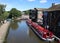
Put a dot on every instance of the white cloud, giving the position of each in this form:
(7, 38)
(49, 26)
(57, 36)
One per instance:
(31, 0)
(43, 1)
(8, 6)
(57, 3)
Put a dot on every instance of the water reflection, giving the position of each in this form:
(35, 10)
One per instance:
(14, 25)
(20, 33)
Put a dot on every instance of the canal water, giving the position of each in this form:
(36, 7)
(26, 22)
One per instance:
(19, 32)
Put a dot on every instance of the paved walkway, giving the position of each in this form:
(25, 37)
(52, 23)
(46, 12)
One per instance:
(3, 31)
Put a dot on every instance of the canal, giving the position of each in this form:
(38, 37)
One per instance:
(19, 32)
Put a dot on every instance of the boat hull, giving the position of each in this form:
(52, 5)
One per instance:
(38, 34)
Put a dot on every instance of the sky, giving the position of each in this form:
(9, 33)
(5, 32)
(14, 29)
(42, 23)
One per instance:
(27, 4)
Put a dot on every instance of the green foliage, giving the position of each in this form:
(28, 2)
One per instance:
(15, 13)
(2, 8)
(26, 12)
(4, 16)
(2, 11)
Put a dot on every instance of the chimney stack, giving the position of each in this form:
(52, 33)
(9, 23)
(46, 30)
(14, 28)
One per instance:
(53, 4)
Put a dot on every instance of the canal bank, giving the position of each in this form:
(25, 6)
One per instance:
(3, 31)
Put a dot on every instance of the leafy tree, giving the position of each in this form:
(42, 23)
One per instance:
(15, 13)
(18, 13)
(4, 15)
(2, 8)
(26, 12)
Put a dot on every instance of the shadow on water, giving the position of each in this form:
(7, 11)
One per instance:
(19, 32)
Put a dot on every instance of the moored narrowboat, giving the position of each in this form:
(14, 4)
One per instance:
(40, 31)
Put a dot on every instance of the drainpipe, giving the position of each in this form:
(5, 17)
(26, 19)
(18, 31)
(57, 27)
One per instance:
(53, 4)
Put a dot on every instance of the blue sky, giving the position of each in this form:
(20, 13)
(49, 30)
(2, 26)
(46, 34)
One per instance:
(28, 4)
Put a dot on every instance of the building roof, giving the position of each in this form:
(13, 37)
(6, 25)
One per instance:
(41, 9)
(54, 7)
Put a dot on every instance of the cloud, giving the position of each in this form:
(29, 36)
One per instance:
(8, 6)
(57, 3)
(31, 0)
(43, 1)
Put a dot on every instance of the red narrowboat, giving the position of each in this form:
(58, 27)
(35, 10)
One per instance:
(40, 31)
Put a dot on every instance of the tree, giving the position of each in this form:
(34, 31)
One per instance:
(2, 8)
(18, 13)
(26, 12)
(4, 15)
(15, 13)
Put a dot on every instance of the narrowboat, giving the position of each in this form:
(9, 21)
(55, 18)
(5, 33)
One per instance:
(40, 31)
